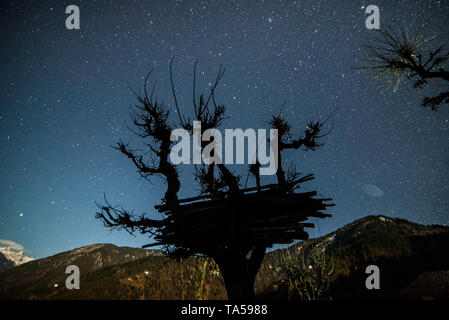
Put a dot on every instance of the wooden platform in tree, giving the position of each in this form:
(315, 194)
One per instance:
(257, 216)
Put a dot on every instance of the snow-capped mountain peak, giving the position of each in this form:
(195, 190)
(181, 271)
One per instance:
(11, 255)
(17, 257)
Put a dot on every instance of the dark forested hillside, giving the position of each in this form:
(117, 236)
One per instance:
(402, 250)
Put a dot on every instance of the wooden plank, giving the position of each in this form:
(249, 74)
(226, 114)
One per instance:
(151, 245)
(269, 186)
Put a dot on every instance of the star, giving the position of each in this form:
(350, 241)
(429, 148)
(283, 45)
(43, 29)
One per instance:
(72, 105)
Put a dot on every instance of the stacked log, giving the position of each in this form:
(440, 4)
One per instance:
(265, 215)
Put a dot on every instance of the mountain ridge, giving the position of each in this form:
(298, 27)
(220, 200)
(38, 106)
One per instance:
(400, 248)
(50, 271)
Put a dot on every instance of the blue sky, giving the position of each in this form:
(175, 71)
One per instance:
(65, 96)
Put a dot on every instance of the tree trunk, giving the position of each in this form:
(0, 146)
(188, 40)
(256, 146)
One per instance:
(239, 273)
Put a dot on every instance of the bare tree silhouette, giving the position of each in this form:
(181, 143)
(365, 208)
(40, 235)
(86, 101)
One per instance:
(397, 55)
(234, 226)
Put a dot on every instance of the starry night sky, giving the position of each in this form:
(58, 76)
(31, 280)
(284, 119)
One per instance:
(64, 99)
